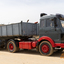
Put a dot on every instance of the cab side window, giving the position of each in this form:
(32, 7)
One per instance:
(42, 23)
(50, 23)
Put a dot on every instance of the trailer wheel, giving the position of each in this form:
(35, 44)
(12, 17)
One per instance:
(45, 48)
(11, 46)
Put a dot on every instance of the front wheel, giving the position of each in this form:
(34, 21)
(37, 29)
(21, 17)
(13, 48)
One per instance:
(11, 46)
(45, 48)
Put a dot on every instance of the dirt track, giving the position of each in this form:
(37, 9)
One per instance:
(29, 57)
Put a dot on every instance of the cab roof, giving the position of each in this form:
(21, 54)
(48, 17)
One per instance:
(52, 16)
(47, 16)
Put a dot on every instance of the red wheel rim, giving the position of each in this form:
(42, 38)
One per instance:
(45, 48)
(11, 46)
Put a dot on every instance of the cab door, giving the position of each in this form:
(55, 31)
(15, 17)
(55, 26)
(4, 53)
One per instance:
(50, 29)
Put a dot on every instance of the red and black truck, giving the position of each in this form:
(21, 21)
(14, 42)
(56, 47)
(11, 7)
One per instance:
(21, 35)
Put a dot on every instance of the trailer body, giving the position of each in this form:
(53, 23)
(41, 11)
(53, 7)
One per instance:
(19, 29)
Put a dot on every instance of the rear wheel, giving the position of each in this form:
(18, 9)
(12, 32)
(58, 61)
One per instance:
(45, 48)
(11, 46)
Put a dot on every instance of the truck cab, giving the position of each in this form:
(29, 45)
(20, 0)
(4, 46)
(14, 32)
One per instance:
(52, 26)
(51, 34)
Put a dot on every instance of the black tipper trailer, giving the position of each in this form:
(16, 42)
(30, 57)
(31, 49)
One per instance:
(19, 29)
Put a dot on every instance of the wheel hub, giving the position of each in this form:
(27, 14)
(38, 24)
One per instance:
(45, 48)
(11, 46)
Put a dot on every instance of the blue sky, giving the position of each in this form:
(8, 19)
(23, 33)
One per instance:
(13, 11)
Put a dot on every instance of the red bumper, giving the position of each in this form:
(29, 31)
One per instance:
(59, 44)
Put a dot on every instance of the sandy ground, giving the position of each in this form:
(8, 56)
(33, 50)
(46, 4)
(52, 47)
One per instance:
(29, 57)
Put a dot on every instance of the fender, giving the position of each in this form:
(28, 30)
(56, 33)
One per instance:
(46, 38)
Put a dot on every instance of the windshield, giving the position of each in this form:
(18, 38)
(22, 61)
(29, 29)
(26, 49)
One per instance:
(62, 22)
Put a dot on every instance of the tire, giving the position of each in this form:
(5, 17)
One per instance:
(11, 46)
(45, 48)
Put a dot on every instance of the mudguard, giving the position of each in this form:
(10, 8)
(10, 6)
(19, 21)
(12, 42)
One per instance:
(46, 38)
